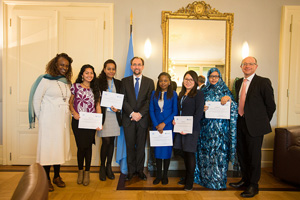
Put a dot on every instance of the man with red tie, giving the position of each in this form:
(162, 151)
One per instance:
(256, 108)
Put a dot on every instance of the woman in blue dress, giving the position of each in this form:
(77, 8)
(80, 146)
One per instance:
(217, 141)
(163, 108)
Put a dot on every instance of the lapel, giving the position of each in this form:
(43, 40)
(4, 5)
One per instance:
(131, 86)
(251, 87)
(238, 87)
(116, 85)
(142, 87)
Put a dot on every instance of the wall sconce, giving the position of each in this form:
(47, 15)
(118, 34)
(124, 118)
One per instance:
(148, 48)
(245, 50)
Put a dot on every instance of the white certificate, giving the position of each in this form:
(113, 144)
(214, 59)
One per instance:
(183, 124)
(217, 111)
(164, 139)
(90, 120)
(110, 99)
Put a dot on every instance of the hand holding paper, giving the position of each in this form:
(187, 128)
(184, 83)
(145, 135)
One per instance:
(157, 139)
(112, 99)
(217, 111)
(183, 124)
(90, 120)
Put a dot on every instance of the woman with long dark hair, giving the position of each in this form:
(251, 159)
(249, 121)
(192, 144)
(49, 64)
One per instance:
(85, 98)
(163, 108)
(48, 101)
(111, 119)
(190, 103)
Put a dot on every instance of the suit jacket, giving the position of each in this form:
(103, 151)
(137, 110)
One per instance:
(118, 86)
(202, 86)
(170, 110)
(259, 105)
(141, 104)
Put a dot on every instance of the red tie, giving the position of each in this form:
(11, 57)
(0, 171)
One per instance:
(242, 98)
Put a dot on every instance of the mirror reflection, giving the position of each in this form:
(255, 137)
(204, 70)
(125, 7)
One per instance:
(197, 38)
(196, 45)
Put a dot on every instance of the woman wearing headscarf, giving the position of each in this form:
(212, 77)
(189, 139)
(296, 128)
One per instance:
(217, 141)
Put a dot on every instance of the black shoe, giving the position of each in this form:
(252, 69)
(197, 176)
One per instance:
(102, 173)
(181, 182)
(129, 177)
(109, 172)
(157, 180)
(165, 180)
(142, 176)
(239, 184)
(188, 187)
(251, 191)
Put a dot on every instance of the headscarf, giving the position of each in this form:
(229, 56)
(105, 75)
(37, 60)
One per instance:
(215, 93)
(31, 113)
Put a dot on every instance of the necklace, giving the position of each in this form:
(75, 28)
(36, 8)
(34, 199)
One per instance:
(64, 97)
(85, 85)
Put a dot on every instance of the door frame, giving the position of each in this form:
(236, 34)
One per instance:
(7, 138)
(284, 64)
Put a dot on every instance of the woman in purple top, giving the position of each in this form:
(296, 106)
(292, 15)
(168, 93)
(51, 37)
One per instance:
(85, 97)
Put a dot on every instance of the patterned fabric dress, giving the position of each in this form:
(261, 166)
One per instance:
(83, 102)
(84, 99)
(217, 141)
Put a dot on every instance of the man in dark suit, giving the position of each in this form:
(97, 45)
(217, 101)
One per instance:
(256, 107)
(201, 82)
(137, 93)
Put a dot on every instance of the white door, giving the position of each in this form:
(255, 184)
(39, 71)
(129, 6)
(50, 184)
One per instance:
(35, 34)
(294, 80)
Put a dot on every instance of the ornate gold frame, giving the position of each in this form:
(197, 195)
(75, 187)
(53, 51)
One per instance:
(201, 11)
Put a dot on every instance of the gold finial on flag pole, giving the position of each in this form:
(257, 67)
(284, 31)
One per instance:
(131, 16)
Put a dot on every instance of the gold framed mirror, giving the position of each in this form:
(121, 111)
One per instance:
(197, 38)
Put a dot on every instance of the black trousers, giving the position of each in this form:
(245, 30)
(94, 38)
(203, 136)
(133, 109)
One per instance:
(135, 137)
(249, 153)
(84, 138)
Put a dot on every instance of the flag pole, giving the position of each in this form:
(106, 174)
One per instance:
(131, 16)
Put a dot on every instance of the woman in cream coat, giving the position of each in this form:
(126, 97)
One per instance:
(50, 98)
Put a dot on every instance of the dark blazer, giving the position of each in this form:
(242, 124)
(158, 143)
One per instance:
(191, 106)
(140, 105)
(259, 105)
(202, 86)
(118, 86)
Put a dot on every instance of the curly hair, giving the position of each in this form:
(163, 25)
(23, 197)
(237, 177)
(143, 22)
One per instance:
(158, 88)
(102, 79)
(93, 84)
(52, 69)
(193, 91)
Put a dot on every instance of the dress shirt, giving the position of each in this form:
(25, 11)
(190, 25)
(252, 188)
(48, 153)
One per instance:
(249, 79)
(134, 80)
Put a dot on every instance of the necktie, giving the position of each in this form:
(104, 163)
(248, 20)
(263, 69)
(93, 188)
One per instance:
(242, 98)
(136, 87)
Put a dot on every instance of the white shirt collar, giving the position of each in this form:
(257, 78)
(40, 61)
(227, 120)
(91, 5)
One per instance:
(250, 77)
(134, 76)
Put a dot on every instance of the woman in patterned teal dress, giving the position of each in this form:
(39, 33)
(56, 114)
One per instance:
(217, 141)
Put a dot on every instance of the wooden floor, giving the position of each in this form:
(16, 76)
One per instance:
(108, 189)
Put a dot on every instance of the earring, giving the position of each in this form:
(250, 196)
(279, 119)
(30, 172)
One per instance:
(82, 78)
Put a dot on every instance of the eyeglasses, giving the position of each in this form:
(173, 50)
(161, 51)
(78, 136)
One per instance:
(189, 80)
(214, 76)
(245, 64)
(139, 65)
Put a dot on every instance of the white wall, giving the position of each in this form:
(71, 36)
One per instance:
(255, 21)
